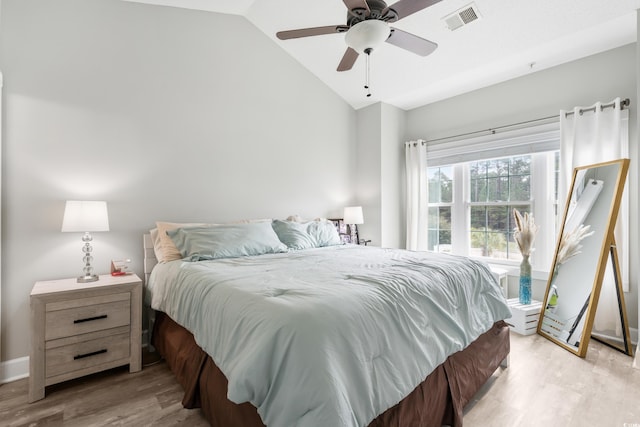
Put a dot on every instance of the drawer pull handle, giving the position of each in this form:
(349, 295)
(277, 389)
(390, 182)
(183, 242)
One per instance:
(89, 319)
(93, 353)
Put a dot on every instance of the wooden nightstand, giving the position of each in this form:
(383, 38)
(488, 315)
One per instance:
(82, 328)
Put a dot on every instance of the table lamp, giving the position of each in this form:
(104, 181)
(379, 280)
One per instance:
(86, 217)
(352, 216)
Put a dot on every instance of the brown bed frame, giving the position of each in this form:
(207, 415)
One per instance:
(439, 400)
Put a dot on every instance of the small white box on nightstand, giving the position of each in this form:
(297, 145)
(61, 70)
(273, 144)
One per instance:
(524, 317)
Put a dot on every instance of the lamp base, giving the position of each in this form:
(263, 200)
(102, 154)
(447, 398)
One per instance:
(88, 279)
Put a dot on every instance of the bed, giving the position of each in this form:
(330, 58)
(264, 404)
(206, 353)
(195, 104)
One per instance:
(339, 335)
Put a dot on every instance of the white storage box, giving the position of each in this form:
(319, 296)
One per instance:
(524, 318)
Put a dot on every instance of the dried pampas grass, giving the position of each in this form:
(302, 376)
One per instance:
(524, 232)
(570, 243)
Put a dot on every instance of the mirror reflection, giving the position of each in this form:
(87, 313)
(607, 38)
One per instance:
(581, 254)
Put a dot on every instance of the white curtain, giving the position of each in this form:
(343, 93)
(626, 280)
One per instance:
(417, 194)
(594, 137)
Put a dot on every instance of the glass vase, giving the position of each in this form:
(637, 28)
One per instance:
(525, 280)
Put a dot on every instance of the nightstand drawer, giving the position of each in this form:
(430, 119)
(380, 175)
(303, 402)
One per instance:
(81, 355)
(81, 316)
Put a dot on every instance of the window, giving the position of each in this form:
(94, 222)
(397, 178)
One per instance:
(440, 202)
(471, 205)
(497, 187)
(476, 181)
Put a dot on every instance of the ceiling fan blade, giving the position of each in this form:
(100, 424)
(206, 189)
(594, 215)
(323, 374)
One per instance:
(356, 4)
(314, 31)
(348, 60)
(411, 42)
(404, 8)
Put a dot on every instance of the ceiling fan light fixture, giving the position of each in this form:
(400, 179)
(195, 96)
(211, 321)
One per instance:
(367, 35)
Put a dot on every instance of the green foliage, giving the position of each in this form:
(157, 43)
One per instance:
(488, 240)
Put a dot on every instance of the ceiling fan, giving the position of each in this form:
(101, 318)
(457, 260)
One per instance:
(368, 26)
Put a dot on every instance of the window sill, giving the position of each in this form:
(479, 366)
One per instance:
(513, 269)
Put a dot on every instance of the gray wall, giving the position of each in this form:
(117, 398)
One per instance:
(601, 77)
(167, 114)
(380, 174)
(368, 172)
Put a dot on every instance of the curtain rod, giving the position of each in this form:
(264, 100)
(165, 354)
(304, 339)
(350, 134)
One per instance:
(624, 103)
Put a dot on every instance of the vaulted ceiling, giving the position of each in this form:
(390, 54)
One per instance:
(511, 38)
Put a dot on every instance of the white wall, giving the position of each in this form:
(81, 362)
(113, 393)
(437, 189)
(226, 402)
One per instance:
(167, 114)
(393, 177)
(368, 179)
(380, 173)
(600, 77)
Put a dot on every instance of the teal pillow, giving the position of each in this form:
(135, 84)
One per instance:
(324, 233)
(226, 241)
(305, 235)
(293, 234)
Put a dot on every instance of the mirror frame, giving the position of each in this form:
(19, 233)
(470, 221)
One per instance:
(606, 249)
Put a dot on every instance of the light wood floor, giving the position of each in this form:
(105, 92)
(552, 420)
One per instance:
(544, 386)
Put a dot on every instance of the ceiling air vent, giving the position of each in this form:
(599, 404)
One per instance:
(462, 17)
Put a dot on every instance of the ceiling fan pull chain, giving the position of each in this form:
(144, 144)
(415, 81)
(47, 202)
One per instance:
(368, 72)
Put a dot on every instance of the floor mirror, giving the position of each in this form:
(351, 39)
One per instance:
(585, 245)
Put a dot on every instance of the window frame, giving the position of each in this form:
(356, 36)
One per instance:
(542, 202)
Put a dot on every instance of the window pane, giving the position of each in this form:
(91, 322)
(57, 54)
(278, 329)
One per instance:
(520, 165)
(433, 217)
(478, 247)
(498, 218)
(440, 184)
(478, 190)
(492, 168)
(444, 241)
(446, 184)
(498, 189)
(497, 244)
(520, 188)
(502, 167)
(439, 232)
(445, 218)
(432, 239)
(478, 217)
(434, 184)
(474, 170)
(513, 249)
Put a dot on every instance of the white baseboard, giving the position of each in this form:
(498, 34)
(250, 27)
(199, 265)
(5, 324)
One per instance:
(14, 369)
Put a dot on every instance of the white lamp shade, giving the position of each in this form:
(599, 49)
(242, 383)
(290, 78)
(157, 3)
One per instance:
(83, 216)
(368, 34)
(353, 215)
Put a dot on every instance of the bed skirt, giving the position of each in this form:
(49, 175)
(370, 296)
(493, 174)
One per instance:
(438, 400)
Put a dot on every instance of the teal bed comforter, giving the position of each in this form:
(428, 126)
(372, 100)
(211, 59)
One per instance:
(330, 336)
